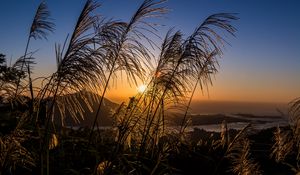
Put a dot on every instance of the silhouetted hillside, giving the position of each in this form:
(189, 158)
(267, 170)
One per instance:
(207, 119)
(104, 118)
(202, 119)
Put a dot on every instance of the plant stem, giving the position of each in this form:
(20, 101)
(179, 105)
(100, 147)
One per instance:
(183, 126)
(101, 100)
(203, 69)
(161, 98)
(19, 78)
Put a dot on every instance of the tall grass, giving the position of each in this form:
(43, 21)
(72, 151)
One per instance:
(123, 45)
(89, 60)
(40, 26)
(286, 149)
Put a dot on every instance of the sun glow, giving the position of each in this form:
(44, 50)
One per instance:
(141, 88)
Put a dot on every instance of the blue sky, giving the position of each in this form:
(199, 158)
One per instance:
(262, 63)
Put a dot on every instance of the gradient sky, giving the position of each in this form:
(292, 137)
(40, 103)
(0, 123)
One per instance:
(262, 63)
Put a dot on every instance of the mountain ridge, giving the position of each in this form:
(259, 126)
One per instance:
(88, 116)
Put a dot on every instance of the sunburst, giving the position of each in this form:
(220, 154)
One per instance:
(141, 88)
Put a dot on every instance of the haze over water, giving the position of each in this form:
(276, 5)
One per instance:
(231, 107)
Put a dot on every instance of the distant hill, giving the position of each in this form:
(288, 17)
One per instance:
(207, 119)
(230, 107)
(200, 119)
(104, 116)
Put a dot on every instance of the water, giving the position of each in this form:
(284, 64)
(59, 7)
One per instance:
(257, 123)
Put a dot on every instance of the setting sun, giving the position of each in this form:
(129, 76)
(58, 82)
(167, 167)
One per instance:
(141, 88)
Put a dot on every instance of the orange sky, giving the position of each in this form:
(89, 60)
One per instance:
(227, 88)
(262, 64)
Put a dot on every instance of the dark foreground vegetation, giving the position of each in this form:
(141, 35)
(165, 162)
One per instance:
(199, 151)
(34, 112)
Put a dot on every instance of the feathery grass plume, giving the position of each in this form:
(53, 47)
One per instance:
(13, 154)
(101, 168)
(80, 63)
(124, 47)
(204, 46)
(224, 134)
(53, 142)
(287, 141)
(39, 29)
(238, 151)
(175, 87)
(283, 144)
(205, 37)
(206, 67)
(240, 135)
(187, 58)
(127, 125)
(295, 110)
(229, 147)
(242, 163)
(41, 23)
(176, 82)
(79, 68)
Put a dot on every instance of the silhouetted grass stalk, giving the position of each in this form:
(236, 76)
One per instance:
(146, 10)
(38, 30)
(203, 71)
(101, 100)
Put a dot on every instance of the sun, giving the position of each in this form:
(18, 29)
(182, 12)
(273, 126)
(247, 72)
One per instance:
(141, 88)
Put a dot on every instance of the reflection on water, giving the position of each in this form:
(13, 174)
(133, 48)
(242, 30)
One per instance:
(257, 123)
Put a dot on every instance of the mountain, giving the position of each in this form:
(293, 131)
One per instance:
(209, 119)
(230, 107)
(104, 116)
(173, 119)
